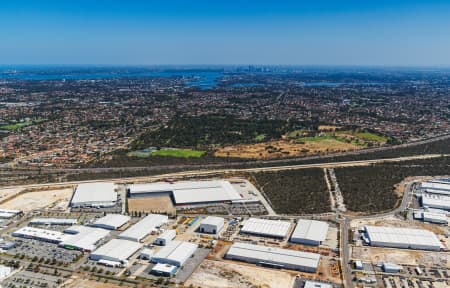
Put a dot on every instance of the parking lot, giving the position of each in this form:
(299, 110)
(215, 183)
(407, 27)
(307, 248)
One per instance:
(44, 251)
(29, 279)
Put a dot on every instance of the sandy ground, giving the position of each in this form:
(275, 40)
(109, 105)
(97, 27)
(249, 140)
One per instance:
(392, 221)
(86, 283)
(399, 256)
(38, 200)
(151, 204)
(6, 193)
(214, 274)
(284, 148)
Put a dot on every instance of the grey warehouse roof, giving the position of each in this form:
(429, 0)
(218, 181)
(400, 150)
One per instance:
(95, 192)
(310, 230)
(112, 220)
(213, 220)
(144, 227)
(392, 236)
(274, 228)
(118, 249)
(86, 238)
(275, 255)
(190, 191)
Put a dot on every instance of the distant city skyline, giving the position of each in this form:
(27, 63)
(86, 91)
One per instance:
(363, 33)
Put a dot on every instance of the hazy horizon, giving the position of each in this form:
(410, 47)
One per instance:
(296, 33)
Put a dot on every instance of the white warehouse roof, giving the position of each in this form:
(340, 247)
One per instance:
(445, 187)
(402, 238)
(53, 221)
(145, 226)
(94, 194)
(314, 284)
(86, 238)
(310, 231)
(436, 201)
(168, 235)
(40, 234)
(111, 221)
(213, 220)
(175, 253)
(274, 256)
(118, 250)
(186, 192)
(272, 228)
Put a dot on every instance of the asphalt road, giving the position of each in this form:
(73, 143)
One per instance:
(221, 171)
(221, 165)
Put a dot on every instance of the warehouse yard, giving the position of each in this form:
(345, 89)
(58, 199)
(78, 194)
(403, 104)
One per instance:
(214, 274)
(158, 204)
(38, 200)
(403, 257)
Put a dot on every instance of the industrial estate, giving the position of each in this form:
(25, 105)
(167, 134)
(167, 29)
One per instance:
(160, 232)
(224, 176)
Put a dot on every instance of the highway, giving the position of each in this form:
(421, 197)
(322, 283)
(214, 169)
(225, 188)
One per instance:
(205, 172)
(267, 163)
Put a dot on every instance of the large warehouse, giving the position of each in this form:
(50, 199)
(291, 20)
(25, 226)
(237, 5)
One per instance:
(101, 194)
(310, 232)
(188, 192)
(402, 238)
(274, 257)
(53, 221)
(175, 253)
(144, 227)
(263, 227)
(435, 201)
(439, 187)
(40, 234)
(117, 250)
(212, 225)
(83, 238)
(111, 221)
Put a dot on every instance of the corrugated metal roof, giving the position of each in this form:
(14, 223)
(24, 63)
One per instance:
(144, 227)
(113, 220)
(213, 220)
(32, 232)
(310, 230)
(408, 236)
(53, 221)
(435, 185)
(95, 192)
(86, 238)
(119, 249)
(168, 235)
(433, 200)
(191, 191)
(274, 228)
(274, 254)
(176, 251)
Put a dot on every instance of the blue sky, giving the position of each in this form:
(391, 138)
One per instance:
(363, 32)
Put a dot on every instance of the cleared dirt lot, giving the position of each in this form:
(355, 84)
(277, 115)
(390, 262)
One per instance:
(86, 283)
(398, 256)
(284, 148)
(214, 274)
(151, 204)
(39, 199)
(392, 221)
